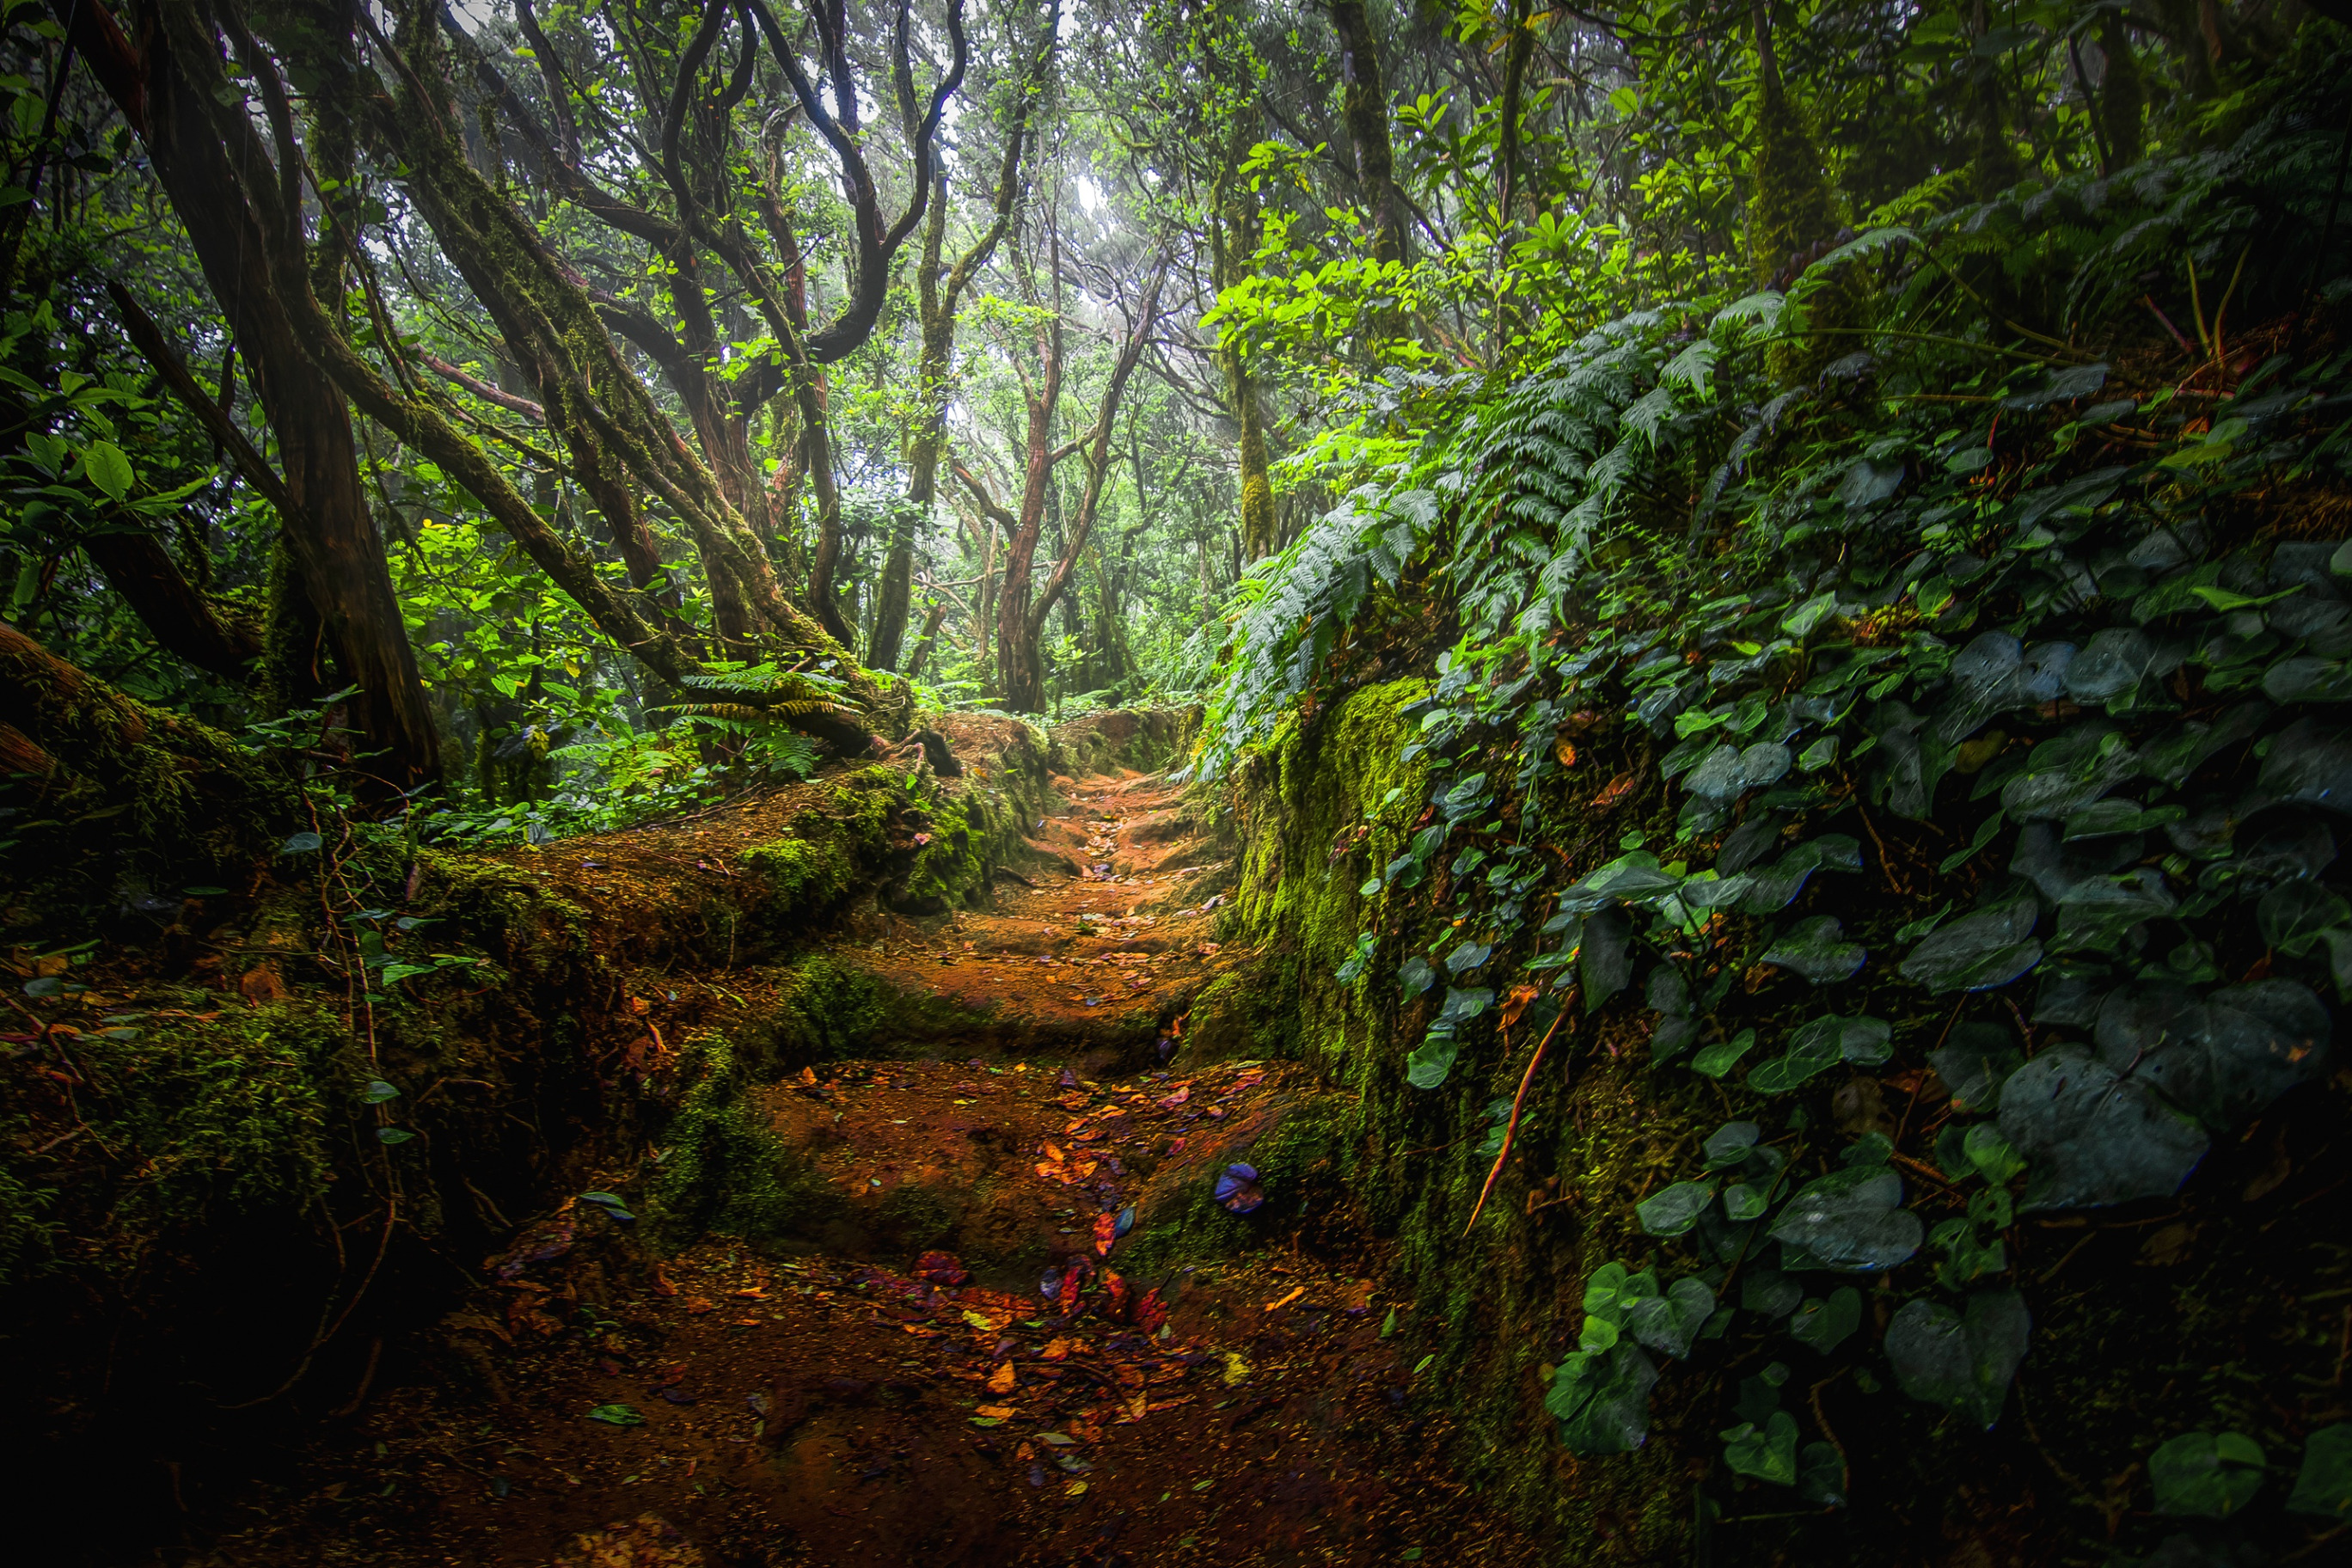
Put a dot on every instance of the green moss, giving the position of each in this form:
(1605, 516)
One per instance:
(1301, 1157)
(721, 1166)
(952, 868)
(1492, 1306)
(829, 849)
(198, 1124)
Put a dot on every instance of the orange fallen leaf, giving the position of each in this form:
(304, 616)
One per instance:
(999, 1411)
(1053, 1153)
(1056, 1350)
(1297, 1291)
(1000, 1380)
(698, 1305)
(1619, 788)
(1105, 1232)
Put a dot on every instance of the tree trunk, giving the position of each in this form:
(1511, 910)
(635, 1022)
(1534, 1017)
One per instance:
(1364, 98)
(2123, 94)
(1232, 241)
(193, 796)
(333, 536)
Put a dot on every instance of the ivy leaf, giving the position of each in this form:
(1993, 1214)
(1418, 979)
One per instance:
(1820, 1474)
(1723, 1056)
(1851, 1220)
(1821, 1044)
(2068, 771)
(1993, 1156)
(1670, 1324)
(1964, 1364)
(1729, 1144)
(1769, 1454)
(2293, 916)
(377, 1092)
(2091, 1136)
(1416, 975)
(1770, 891)
(1816, 950)
(1605, 965)
(1975, 1062)
(1978, 952)
(1674, 1210)
(2311, 762)
(393, 1135)
(2205, 1475)
(2223, 1058)
(2111, 663)
(300, 844)
(1601, 1400)
(1868, 483)
(1726, 773)
(1428, 1064)
(2324, 1485)
(1824, 1324)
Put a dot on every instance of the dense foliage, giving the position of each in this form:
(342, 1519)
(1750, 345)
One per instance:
(1869, 488)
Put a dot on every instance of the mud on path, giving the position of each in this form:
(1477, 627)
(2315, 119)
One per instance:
(1036, 1312)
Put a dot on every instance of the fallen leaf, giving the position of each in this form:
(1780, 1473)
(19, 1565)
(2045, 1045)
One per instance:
(1295, 1292)
(698, 1305)
(1105, 1232)
(1236, 1369)
(1000, 1380)
(1055, 1350)
(1002, 1412)
(616, 1416)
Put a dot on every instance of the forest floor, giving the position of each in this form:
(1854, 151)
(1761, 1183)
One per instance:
(862, 1400)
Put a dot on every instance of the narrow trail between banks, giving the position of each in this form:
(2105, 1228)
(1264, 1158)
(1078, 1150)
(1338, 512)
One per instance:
(904, 1382)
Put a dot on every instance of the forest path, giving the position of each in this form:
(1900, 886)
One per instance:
(869, 1397)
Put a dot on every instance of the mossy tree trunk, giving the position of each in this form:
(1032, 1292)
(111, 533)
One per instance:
(939, 296)
(235, 217)
(1234, 229)
(191, 794)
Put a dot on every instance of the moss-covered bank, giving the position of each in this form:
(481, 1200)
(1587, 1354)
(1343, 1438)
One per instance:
(1321, 809)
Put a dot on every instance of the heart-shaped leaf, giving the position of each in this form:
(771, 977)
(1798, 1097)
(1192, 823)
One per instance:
(1823, 1324)
(1975, 1062)
(1817, 949)
(2092, 1136)
(1669, 1323)
(2324, 1485)
(1978, 952)
(2205, 1475)
(2293, 916)
(2221, 1060)
(1601, 1399)
(1851, 1220)
(1962, 1362)
(1768, 1453)
(1674, 1210)
(2310, 762)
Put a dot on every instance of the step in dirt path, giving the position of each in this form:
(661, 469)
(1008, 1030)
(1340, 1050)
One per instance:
(1024, 1309)
(1098, 939)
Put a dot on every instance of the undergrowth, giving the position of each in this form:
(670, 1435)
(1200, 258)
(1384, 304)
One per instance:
(2004, 673)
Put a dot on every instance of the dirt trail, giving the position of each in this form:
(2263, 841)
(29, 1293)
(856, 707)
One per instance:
(987, 1347)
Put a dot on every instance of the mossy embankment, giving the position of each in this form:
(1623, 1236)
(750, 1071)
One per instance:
(251, 1137)
(1325, 806)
